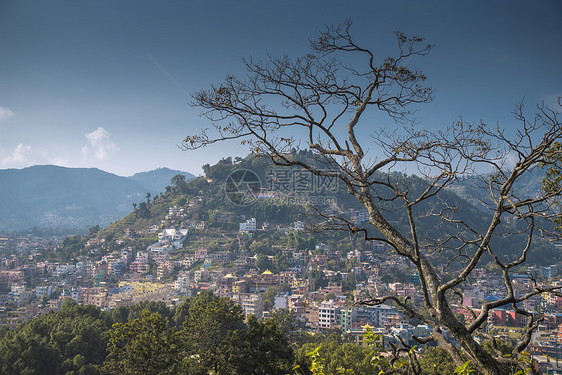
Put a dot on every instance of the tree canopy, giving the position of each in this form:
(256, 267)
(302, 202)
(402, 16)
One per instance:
(202, 335)
(330, 100)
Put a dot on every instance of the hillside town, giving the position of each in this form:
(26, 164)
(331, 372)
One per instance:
(308, 283)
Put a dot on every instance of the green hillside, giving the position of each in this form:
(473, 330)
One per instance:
(206, 201)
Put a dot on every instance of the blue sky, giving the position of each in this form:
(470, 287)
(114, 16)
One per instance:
(106, 83)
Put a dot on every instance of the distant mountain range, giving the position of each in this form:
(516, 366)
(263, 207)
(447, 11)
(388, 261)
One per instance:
(48, 196)
(475, 189)
(155, 181)
(58, 197)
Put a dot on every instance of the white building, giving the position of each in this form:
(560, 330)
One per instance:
(252, 303)
(249, 225)
(173, 237)
(64, 269)
(327, 314)
(298, 225)
(72, 293)
(142, 256)
(159, 248)
(281, 301)
(186, 262)
(182, 283)
(44, 289)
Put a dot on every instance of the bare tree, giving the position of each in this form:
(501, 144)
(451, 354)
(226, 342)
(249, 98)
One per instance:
(326, 104)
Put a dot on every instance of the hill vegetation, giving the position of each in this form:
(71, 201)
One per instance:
(205, 202)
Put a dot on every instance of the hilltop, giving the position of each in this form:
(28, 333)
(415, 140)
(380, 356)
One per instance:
(205, 203)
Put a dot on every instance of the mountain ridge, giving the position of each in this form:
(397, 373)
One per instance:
(56, 197)
(157, 179)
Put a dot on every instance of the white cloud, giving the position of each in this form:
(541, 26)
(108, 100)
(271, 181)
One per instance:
(510, 159)
(19, 157)
(100, 144)
(5, 114)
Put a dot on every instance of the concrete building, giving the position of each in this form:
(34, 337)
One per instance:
(327, 312)
(248, 226)
(252, 303)
(173, 237)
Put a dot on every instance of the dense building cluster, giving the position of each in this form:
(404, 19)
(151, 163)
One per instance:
(321, 296)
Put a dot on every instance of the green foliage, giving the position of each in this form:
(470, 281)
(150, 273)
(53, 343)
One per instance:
(210, 319)
(287, 322)
(436, 361)
(181, 313)
(179, 182)
(320, 280)
(203, 335)
(207, 202)
(301, 240)
(144, 212)
(333, 358)
(71, 247)
(317, 362)
(93, 230)
(143, 346)
(261, 247)
(263, 263)
(464, 369)
(123, 314)
(72, 339)
(260, 349)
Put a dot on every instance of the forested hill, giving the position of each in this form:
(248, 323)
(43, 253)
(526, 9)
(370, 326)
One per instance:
(206, 199)
(475, 188)
(49, 196)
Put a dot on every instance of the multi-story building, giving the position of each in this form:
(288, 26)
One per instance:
(375, 316)
(119, 267)
(139, 266)
(182, 283)
(200, 254)
(95, 296)
(20, 294)
(248, 226)
(240, 286)
(327, 312)
(345, 319)
(41, 290)
(173, 237)
(287, 278)
(252, 303)
(164, 269)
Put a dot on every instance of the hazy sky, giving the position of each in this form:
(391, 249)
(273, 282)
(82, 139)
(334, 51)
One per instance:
(106, 83)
